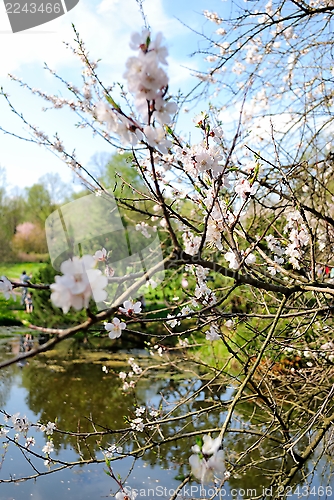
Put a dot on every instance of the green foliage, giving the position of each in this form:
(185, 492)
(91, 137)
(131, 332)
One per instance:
(39, 205)
(120, 176)
(7, 314)
(11, 214)
(6, 252)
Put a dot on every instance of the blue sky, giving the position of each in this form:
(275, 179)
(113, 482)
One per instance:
(106, 26)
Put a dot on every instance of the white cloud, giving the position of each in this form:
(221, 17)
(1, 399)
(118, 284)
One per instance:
(105, 26)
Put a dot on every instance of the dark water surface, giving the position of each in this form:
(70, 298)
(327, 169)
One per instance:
(70, 385)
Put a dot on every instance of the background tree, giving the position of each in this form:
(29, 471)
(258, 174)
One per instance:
(29, 238)
(38, 203)
(58, 191)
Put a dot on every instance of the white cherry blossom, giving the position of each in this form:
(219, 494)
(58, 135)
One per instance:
(278, 261)
(101, 255)
(105, 114)
(229, 323)
(160, 51)
(126, 494)
(3, 431)
(48, 448)
(20, 424)
(6, 288)
(143, 228)
(148, 81)
(48, 428)
(191, 242)
(115, 328)
(210, 445)
(204, 467)
(164, 110)
(139, 40)
(137, 424)
(244, 189)
(136, 368)
(172, 322)
(130, 307)
(232, 258)
(139, 411)
(212, 334)
(156, 138)
(30, 441)
(250, 259)
(78, 284)
(274, 245)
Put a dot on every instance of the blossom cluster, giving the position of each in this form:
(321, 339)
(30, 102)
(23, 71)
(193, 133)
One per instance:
(207, 462)
(313, 356)
(200, 158)
(174, 321)
(126, 494)
(298, 239)
(80, 282)
(130, 307)
(212, 334)
(235, 259)
(21, 425)
(111, 450)
(203, 294)
(220, 217)
(138, 423)
(148, 82)
(298, 236)
(135, 370)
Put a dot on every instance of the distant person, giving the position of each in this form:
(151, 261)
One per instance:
(332, 273)
(28, 303)
(24, 278)
(319, 271)
(28, 342)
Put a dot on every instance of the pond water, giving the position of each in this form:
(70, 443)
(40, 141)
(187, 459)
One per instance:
(69, 384)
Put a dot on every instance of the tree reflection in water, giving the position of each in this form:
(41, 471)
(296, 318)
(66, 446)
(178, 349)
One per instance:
(93, 413)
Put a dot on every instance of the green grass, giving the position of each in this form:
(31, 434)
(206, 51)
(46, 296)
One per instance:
(12, 313)
(9, 313)
(14, 271)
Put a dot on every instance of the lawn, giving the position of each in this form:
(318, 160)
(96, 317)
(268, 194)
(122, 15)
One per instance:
(14, 271)
(11, 311)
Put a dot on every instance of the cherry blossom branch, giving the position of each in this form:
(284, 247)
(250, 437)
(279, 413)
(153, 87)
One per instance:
(62, 334)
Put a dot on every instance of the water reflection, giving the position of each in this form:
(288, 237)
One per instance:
(69, 384)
